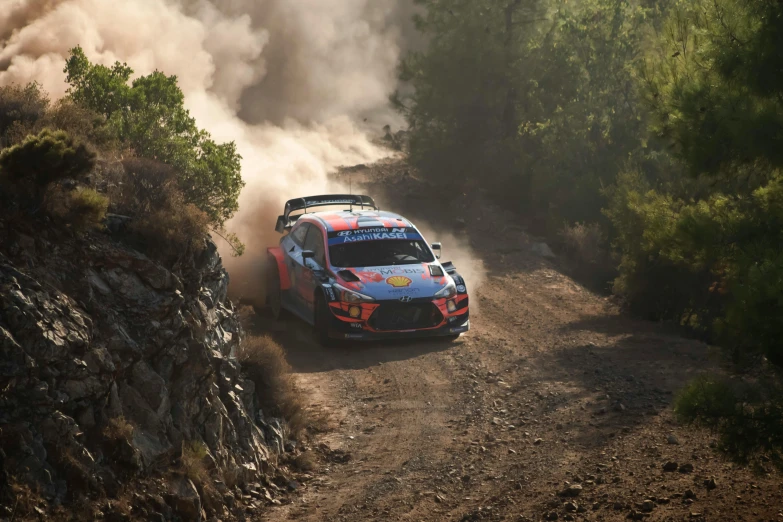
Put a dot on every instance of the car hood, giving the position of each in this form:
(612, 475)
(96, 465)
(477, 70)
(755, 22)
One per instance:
(392, 282)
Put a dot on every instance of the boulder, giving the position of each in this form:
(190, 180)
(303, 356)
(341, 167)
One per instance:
(542, 249)
(185, 499)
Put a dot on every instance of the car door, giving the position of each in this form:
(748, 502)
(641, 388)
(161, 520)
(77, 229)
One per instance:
(314, 241)
(296, 271)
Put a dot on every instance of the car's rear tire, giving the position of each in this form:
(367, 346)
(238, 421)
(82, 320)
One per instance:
(322, 321)
(274, 298)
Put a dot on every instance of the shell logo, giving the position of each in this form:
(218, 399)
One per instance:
(399, 281)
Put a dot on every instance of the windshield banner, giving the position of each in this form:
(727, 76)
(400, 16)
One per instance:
(373, 234)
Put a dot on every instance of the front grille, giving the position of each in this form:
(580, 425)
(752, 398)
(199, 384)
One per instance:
(405, 316)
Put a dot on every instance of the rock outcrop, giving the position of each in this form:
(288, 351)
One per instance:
(109, 362)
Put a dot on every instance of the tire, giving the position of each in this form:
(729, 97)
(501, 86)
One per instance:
(274, 302)
(322, 321)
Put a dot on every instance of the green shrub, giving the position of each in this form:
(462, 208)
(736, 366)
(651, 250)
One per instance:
(170, 232)
(82, 123)
(146, 184)
(164, 225)
(748, 416)
(150, 190)
(714, 265)
(84, 208)
(148, 115)
(41, 160)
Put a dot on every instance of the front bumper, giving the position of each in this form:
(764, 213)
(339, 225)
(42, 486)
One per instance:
(364, 335)
(363, 322)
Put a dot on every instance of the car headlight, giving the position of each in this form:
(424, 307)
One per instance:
(349, 296)
(450, 290)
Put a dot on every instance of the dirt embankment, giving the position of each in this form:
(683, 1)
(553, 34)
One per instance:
(554, 407)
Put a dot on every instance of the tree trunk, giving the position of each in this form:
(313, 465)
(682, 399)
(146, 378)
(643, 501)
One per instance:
(509, 122)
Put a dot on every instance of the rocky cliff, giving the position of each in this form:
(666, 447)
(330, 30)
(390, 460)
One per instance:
(114, 368)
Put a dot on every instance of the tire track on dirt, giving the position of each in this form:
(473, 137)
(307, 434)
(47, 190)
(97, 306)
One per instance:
(388, 402)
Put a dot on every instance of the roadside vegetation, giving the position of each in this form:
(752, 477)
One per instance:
(648, 130)
(125, 159)
(120, 147)
(264, 362)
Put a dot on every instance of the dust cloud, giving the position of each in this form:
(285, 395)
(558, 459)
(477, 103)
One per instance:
(300, 86)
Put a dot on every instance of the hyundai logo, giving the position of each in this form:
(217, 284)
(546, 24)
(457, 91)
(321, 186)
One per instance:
(406, 299)
(344, 233)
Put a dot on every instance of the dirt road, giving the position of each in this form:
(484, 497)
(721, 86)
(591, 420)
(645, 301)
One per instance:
(553, 407)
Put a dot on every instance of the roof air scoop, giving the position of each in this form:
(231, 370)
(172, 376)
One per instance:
(348, 276)
(449, 267)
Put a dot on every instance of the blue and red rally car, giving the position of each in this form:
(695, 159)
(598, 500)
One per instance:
(362, 273)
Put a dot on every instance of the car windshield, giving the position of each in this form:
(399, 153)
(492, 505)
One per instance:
(380, 253)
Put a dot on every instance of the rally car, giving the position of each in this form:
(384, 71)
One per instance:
(362, 273)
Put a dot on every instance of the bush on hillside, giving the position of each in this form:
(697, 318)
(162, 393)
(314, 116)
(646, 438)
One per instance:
(51, 156)
(164, 225)
(167, 234)
(748, 416)
(82, 208)
(20, 109)
(584, 242)
(586, 255)
(146, 184)
(82, 123)
(148, 116)
(714, 265)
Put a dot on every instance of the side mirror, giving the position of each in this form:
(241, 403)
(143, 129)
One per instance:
(437, 248)
(307, 254)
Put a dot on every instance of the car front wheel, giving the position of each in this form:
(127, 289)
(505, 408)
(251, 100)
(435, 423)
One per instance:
(323, 318)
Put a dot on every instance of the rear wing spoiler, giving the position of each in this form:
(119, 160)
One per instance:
(293, 205)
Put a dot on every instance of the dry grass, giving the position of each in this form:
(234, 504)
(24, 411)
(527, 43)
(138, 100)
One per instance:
(193, 453)
(118, 429)
(193, 465)
(26, 504)
(23, 500)
(584, 243)
(264, 363)
(305, 462)
(75, 472)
